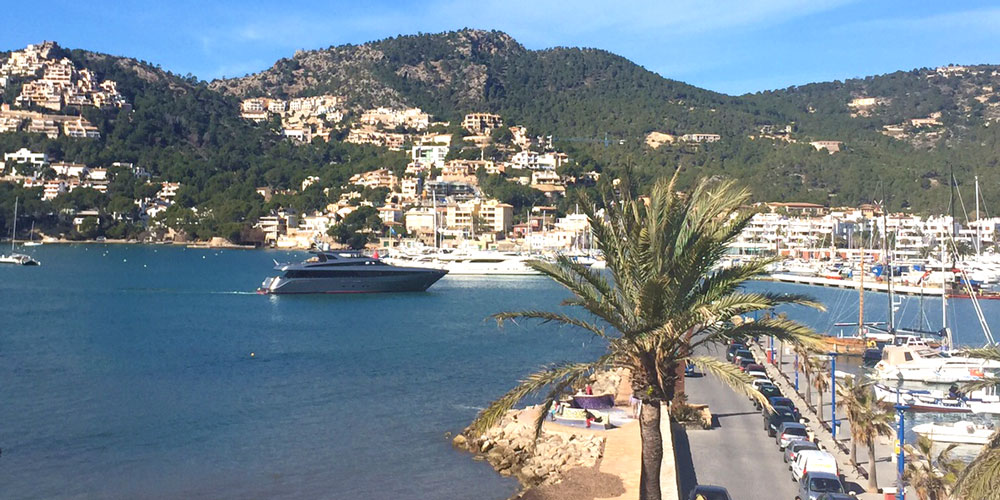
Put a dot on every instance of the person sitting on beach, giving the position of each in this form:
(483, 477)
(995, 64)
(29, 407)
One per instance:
(589, 390)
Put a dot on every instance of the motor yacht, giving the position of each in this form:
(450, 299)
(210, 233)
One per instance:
(923, 364)
(961, 432)
(468, 262)
(347, 272)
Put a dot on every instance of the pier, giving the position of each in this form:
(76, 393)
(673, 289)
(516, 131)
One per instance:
(853, 285)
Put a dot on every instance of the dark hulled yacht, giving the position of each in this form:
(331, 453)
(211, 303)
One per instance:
(347, 272)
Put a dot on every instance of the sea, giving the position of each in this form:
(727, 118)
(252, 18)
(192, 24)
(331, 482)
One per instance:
(152, 371)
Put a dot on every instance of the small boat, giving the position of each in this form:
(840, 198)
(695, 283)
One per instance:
(31, 238)
(961, 432)
(920, 400)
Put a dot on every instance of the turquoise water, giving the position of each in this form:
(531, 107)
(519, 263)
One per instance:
(126, 372)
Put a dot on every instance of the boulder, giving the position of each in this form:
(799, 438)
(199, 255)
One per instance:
(460, 442)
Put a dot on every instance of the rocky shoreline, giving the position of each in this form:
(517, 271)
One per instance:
(512, 449)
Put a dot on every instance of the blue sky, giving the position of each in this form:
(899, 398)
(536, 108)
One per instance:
(729, 46)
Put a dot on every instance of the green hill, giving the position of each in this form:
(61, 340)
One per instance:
(598, 106)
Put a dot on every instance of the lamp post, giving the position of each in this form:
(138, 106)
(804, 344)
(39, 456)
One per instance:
(900, 433)
(833, 394)
(796, 372)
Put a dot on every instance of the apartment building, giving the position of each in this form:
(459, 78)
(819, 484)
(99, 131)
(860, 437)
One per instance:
(481, 123)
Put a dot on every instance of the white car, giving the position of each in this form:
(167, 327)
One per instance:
(758, 374)
(760, 381)
(813, 461)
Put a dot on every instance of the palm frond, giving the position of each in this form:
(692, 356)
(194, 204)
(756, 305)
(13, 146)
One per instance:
(730, 375)
(530, 385)
(550, 317)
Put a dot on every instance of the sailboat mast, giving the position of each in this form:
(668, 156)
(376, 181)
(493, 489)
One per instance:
(888, 261)
(861, 294)
(13, 233)
(978, 237)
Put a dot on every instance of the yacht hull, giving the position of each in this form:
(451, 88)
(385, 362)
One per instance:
(412, 281)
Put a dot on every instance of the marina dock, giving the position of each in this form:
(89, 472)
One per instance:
(873, 286)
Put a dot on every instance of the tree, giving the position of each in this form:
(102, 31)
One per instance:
(852, 399)
(931, 477)
(981, 478)
(871, 421)
(358, 228)
(820, 381)
(665, 299)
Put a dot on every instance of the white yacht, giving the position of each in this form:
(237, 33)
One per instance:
(19, 259)
(961, 432)
(923, 364)
(468, 262)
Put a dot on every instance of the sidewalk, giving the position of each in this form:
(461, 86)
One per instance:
(782, 372)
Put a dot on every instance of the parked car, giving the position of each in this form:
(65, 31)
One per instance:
(788, 432)
(731, 351)
(768, 391)
(814, 484)
(813, 461)
(707, 492)
(755, 367)
(774, 420)
(795, 447)
(837, 496)
(741, 355)
(757, 383)
(744, 363)
(758, 375)
(783, 401)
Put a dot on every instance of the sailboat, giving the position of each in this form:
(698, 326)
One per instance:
(17, 258)
(31, 238)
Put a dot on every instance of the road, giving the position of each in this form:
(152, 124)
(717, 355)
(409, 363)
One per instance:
(737, 453)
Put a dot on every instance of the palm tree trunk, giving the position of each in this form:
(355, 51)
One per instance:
(809, 391)
(872, 473)
(819, 408)
(854, 450)
(652, 451)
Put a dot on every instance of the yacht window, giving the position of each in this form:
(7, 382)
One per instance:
(907, 356)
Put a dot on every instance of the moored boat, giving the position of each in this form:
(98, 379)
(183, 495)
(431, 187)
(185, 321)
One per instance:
(961, 432)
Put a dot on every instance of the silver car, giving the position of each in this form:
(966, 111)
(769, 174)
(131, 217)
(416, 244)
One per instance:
(788, 432)
(814, 485)
(795, 447)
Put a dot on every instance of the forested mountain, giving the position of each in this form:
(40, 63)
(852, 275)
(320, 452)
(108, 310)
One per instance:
(598, 106)
(585, 95)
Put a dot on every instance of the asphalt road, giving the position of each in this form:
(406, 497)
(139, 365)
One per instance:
(737, 453)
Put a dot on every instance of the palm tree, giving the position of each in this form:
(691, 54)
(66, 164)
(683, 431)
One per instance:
(804, 366)
(852, 397)
(666, 298)
(981, 478)
(871, 421)
(931, 477)
(820, 382)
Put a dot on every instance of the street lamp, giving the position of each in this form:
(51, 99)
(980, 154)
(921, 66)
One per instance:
(900, 433)
(796, 372)
(833, 394)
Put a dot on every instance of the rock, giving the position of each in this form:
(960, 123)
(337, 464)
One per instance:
(486, 446)
(460, 442)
